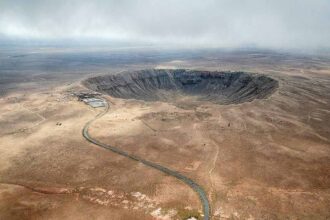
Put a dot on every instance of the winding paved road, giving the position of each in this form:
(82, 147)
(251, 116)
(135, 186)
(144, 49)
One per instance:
(197, 188)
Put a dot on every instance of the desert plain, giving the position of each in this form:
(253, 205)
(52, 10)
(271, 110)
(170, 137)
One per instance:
(266, 158)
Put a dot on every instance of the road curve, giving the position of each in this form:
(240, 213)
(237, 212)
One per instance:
(197, 188)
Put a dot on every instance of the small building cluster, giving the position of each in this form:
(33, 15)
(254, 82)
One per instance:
(95, 102)
(91, 98)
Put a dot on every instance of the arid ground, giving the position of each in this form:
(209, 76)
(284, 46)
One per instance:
(263, 159)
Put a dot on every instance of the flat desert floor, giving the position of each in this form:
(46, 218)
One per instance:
(265, 159)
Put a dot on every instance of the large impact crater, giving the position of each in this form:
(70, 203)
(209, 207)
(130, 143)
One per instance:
(168, 85)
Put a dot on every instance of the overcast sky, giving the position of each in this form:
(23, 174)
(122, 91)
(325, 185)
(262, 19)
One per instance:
(224, 23)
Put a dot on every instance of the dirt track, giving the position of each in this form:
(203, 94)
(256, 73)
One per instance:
(197, 188)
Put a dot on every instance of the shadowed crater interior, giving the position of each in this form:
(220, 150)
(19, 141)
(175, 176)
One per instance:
(168, 85)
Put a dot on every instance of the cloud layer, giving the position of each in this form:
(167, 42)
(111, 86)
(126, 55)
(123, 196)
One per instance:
(226, 23)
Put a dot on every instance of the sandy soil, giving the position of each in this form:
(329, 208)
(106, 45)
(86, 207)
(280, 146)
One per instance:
(266, 159)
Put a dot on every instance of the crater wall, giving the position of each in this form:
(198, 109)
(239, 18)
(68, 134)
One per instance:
(161, 84)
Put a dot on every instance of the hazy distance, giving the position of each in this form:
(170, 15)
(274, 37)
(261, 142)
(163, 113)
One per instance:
(276, 24)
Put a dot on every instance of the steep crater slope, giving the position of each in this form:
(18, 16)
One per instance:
(165, 85)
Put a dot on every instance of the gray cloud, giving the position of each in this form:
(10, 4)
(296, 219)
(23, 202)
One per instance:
(230, 23)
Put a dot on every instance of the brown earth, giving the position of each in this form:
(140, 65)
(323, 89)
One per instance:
(265, 159)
